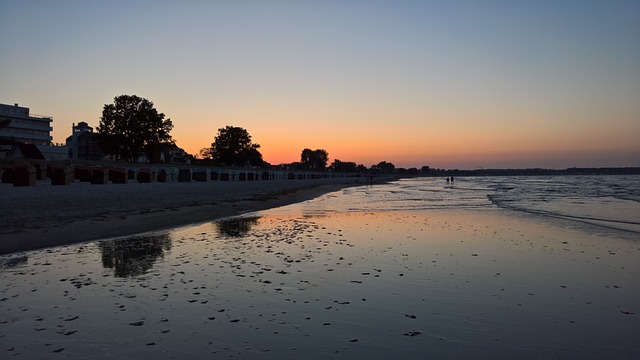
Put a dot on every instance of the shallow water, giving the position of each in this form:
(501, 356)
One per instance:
(333, 278)
(609, 205)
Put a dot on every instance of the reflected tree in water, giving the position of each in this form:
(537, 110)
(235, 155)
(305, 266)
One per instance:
(133, 257)
(13, 262)
(236, 227)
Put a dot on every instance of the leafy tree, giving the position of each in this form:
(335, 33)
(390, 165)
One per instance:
(383, 167)
(205, 153)
(314, 159)
(131, 127)
(343, 166)
(232, 146)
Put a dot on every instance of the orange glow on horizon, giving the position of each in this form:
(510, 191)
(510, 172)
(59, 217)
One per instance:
(441, 144)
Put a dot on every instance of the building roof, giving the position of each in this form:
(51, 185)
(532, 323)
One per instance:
(25, 151)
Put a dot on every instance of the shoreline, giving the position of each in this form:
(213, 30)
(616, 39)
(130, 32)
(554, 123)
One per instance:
(46, 216)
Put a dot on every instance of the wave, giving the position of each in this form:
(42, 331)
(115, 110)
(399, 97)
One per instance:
(594, 221)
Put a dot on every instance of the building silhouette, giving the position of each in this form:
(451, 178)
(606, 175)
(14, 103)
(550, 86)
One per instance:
(18, 126)
(82, 143)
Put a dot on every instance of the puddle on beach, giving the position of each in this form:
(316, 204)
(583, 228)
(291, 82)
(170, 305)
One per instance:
(288, 284)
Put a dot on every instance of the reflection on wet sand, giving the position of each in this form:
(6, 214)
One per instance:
(133, 257)
(236, 227)
(13, 261)
(415, 285)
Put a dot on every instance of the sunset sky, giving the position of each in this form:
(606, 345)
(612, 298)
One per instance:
(448, 84)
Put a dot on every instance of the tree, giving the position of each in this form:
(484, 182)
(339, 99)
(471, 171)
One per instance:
(131, 127)
(343, 166)
(314, 159)
(362, 169)
(232, 146)
(383, 167)
(205, 153)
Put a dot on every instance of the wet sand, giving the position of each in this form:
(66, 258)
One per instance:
(45, 215)
(306, 281)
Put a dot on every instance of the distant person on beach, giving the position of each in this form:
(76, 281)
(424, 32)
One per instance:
(452, 179)
(447, 179)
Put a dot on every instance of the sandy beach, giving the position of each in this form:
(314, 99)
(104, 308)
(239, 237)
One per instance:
(44, 215)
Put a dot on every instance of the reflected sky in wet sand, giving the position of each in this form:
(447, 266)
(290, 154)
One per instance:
(289, 283)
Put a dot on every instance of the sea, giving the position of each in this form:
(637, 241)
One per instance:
(605, 205)
(609, 205)
(478, 268)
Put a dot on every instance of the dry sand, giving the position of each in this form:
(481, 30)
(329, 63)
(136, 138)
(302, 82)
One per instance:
(45, 215)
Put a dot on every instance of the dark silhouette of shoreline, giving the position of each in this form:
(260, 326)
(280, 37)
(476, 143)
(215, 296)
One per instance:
(532, 172)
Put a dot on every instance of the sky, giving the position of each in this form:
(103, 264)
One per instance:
(446, 84)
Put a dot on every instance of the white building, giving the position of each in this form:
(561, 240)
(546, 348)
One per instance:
(17, 125)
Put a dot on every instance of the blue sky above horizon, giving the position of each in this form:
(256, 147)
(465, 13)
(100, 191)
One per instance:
(450, 84)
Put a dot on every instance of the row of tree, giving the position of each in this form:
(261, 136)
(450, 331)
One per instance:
(132, 128)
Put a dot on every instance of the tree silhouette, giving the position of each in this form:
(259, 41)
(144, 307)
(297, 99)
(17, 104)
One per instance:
(131, 127)
(362, 169)
(205, 153)
(383, 167)
(232, 146)
(343, 166)
(314, 159)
